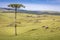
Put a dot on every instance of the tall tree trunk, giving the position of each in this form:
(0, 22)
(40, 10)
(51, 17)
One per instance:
(15, 22)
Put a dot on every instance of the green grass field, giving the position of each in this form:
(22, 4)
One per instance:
(30, 27)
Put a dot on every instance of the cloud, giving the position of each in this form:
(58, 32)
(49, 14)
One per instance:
(38, 7)
(42, 7)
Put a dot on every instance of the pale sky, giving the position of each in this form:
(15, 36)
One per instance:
(38, 5)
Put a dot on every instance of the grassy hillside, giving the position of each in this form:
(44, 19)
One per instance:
(30, 27)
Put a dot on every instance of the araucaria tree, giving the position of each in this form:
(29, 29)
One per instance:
(16, 6)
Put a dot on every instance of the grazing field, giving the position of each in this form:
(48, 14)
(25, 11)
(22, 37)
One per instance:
(30, 27)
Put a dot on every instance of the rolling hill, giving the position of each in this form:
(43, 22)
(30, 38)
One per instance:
(29, 26)
(11, 10)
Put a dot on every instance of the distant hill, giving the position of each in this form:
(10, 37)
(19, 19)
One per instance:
(11, 10)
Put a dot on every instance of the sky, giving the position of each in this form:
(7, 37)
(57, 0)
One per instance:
(37, 5)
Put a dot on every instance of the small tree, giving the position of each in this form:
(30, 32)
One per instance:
(16, 6)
